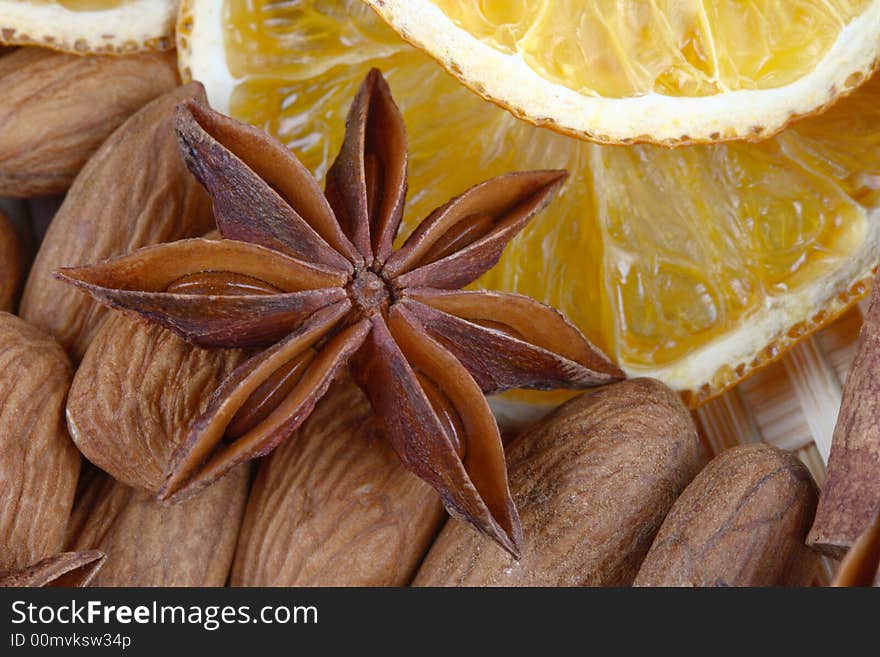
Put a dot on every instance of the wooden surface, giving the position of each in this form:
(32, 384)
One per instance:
(792, 403)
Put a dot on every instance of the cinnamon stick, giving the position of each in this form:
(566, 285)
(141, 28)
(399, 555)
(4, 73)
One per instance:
(851, 494)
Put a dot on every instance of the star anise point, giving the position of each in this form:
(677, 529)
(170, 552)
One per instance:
(314, 281)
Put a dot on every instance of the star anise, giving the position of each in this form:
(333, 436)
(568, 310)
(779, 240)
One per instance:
(62, 569)
(316, 277)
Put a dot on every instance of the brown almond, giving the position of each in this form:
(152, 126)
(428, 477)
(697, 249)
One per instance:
(57, 109)
(150, 544)
(592, 483)
(12, 264)
(334, 506)
(135, 395)
(742, 522)
(39, 464)
(135, 191)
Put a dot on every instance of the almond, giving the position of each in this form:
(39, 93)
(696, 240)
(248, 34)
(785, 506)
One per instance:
(334, 506)
(12, 264)
(134, 191)
(57, 109)
(39, 464)
(592, 483)
(135, 395)
(149, 544)
(742, 522)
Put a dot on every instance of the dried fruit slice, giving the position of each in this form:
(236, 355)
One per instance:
(694, 265)
(89, 26)
(661, 72)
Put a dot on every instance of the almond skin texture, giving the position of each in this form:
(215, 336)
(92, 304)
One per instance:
(150, 544)
(135, 191)
(592, 483)
(39, 464)
(12, 265)
(135, 395)
(742, 522)
(57, 109)
(851, 494)
(334, 506)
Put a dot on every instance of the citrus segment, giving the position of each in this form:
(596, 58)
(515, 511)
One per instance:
(694, 265)
(692, 48)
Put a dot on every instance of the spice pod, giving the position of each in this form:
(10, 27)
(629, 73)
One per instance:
(313, 283)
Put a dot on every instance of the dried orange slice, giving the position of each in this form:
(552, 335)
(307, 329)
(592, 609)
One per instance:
(89, 26)
(662, 72)
(694, 265)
